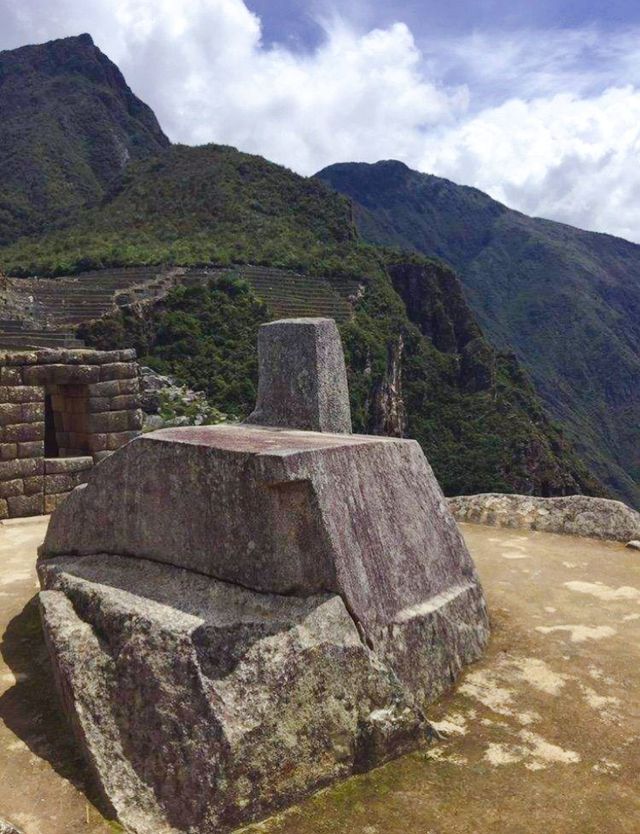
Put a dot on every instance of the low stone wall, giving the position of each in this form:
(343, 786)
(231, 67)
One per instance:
(60, 412)
(576, 515)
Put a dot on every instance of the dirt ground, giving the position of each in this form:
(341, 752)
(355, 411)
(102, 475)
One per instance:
(541, 737)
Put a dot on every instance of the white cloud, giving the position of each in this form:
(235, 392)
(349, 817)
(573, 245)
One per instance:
(568, 158)
(550, 125)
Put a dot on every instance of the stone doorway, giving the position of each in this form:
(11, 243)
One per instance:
(66, 421)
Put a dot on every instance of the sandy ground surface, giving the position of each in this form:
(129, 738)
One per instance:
(543, 735)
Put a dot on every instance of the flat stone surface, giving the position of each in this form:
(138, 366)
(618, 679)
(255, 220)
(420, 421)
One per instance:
(303, 378)
(541, 735)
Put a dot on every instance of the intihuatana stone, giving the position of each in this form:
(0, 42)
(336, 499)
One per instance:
(303, 378)
(238, 615)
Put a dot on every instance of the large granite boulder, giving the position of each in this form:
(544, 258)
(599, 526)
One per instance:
(238, 615)
(201, 704)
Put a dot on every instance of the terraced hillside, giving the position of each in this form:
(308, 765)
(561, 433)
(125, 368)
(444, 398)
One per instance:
(291, 294)
(40, 312)
(46, 312)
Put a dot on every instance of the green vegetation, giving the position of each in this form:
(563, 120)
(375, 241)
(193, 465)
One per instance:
(69, 124)
(487, 435)
(206, 205)
(417, 360)
(205, 336)
(566, 302)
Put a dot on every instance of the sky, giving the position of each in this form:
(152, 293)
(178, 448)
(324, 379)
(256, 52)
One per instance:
(535, 102)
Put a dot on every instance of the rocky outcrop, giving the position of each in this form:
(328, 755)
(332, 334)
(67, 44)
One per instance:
(389, 413)
(201, 704)
(435, 303)
(575, 515)
(166, 403)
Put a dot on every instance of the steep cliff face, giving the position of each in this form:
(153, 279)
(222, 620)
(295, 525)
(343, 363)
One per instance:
(472, 407)
(69, 127)
(385, 404)
(435, 303)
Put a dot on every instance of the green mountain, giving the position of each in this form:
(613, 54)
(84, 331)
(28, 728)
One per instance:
(418, 362)
(567, 302)
(69, 126)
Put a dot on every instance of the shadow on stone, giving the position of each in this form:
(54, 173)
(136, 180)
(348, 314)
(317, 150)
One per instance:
(31, 708)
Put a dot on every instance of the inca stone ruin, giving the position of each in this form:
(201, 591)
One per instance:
(238, 615)
(61, 411)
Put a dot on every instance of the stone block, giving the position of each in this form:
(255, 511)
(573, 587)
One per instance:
(24, 468)
(23, 432)
(33, 485)
(20, 358)
(55, 466)
(10, 376)
(63, 482)
(96, 405)
(9, 488)
(114, 388)
(25, 505)
(284, 512)
(303, 378)
(22, 394)
(4, 509)
(8, 451)
(10, 413)
(118, 370)
(61, 374)
(53, 501)
(31, 412)
(116, 440)
(125, 402)
(97, 443)
(114, 421)
(31, 449)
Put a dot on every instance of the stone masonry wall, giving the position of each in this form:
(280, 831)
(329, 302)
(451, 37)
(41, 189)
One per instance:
(575, 515)
(94, 401)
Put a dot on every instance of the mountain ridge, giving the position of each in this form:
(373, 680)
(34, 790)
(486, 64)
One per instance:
(565, 300)
(429, 373)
